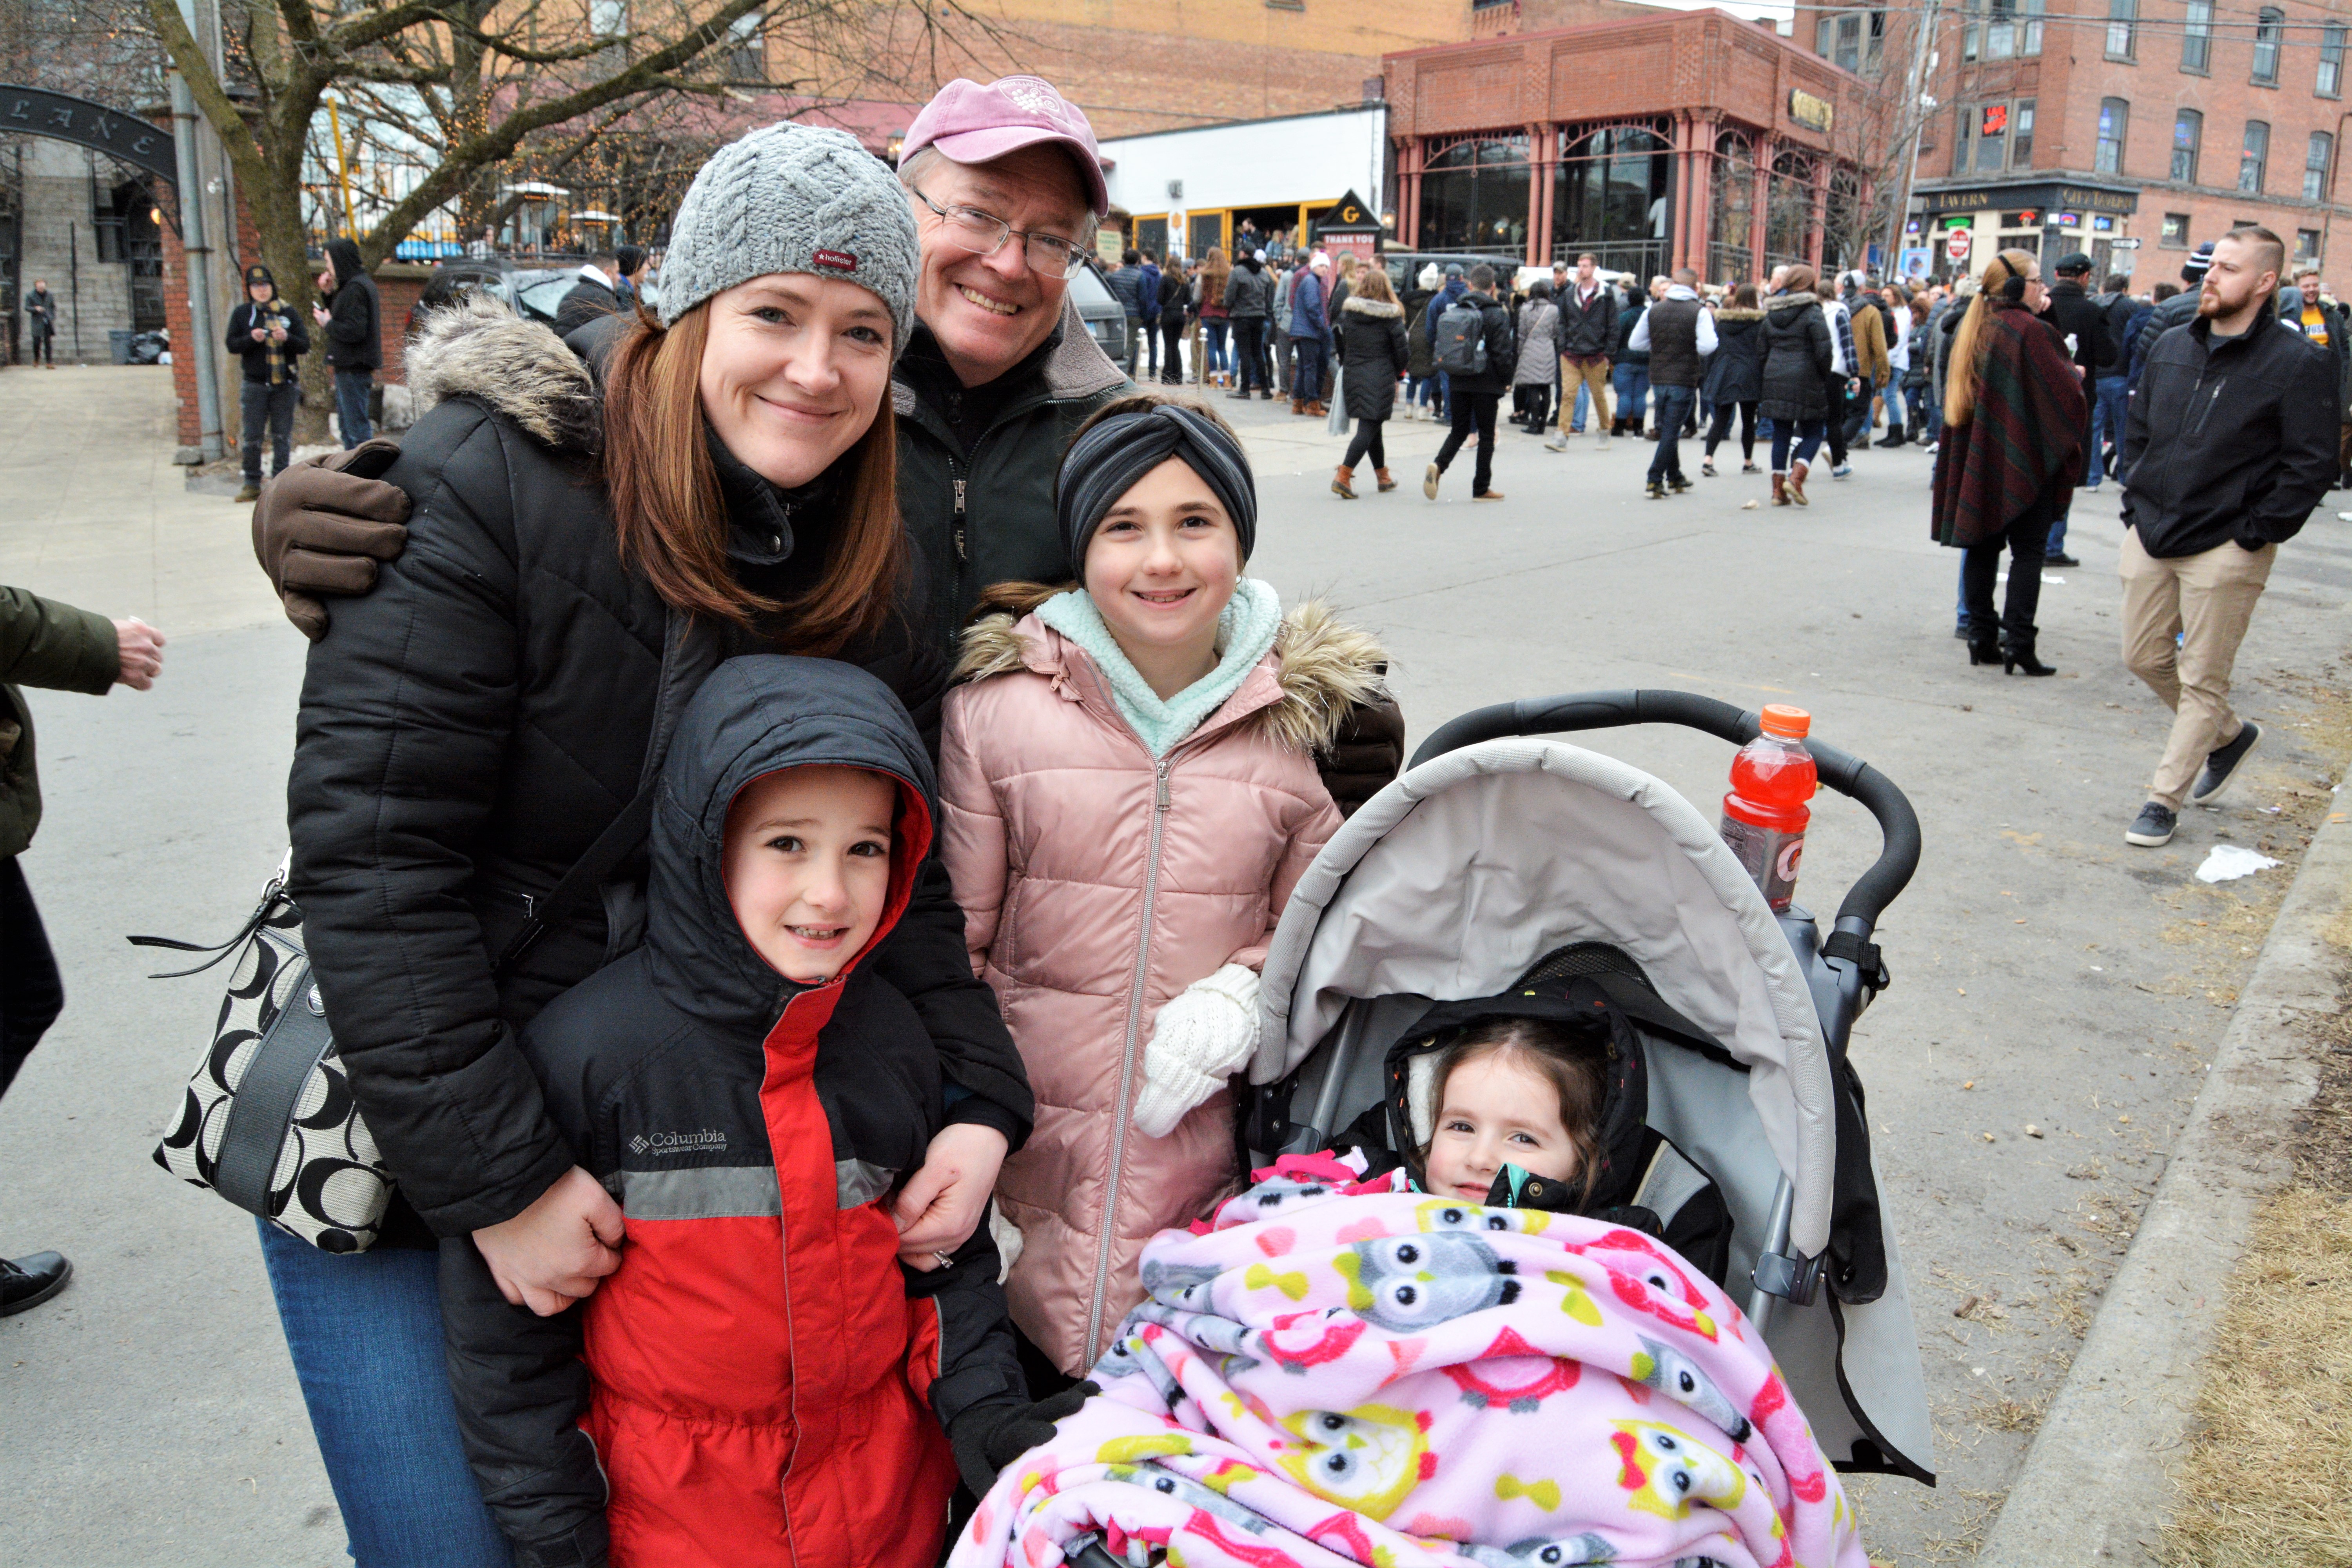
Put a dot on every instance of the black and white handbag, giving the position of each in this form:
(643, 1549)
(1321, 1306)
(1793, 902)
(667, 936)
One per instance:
(268, 1120)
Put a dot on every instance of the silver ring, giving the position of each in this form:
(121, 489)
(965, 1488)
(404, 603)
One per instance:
(945, 1261)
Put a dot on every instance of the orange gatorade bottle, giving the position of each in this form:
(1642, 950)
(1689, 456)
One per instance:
(1764, 816)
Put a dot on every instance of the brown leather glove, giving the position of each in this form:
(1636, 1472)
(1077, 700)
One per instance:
(1366, 753)
(322, 526)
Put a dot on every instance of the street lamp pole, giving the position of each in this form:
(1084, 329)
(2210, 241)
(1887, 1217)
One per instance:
(194, 245)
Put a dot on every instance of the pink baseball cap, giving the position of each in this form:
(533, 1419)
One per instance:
(972, 124)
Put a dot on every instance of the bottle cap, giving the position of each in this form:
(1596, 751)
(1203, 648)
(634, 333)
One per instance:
(1784, 723)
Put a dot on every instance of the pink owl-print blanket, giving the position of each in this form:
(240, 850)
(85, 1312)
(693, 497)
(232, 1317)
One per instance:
(1335, 1372)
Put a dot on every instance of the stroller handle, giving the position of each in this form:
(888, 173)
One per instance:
(1898, 825)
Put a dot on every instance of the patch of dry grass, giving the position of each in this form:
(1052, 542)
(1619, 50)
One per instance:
(2268, 1476)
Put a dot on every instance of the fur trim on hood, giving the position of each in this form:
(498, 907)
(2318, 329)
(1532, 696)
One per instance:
(1790, 302)
(1358, 305)
(1325, 669)
(478, 347)
(1734, 314)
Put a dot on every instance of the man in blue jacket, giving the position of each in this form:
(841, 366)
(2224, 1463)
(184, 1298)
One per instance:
(1310, 335)
(1126, 286)
(1455, 287)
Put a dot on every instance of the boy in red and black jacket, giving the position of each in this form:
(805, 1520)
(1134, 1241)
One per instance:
(750, 1387)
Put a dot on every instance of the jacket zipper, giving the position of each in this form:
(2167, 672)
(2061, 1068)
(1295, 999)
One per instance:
(1126, 1056)
(956, 538)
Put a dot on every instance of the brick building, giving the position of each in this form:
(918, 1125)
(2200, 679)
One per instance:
(2066, 125)
(1653, 138)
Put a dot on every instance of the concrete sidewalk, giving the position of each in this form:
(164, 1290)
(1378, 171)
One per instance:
(96, 512)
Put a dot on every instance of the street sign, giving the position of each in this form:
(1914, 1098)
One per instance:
(2127, 245)
(1956, 244)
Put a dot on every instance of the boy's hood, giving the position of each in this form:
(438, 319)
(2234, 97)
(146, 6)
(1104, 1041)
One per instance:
(755, 716)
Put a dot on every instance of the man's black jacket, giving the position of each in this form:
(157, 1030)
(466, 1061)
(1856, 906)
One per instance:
(2072, 310)
(2228, 440)
(355, 314)
(1588, 328)
(2176, 312)
(255, 356)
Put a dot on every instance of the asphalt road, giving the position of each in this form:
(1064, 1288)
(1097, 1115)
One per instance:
(2044, 972)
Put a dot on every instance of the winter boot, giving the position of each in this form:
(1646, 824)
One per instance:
(1780, 489)
(1382, 475)
(1797, 482)
(1343, 483)
(2017, 656)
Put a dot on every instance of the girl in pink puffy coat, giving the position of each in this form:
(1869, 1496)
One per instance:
(1130, 793)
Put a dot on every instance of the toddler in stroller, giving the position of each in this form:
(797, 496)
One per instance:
(1366, 1358)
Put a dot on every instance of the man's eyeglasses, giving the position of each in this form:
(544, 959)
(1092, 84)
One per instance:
(983, 234)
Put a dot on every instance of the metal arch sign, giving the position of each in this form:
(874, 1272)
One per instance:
(30, 112)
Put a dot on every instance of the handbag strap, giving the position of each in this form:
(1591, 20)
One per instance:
(252, 1142)
(612, 846)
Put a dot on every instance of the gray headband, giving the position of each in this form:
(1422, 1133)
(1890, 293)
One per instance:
(1105, 463)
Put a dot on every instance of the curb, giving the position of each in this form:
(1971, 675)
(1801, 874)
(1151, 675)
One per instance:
(2096, 1486)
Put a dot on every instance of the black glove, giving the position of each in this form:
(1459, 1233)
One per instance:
(324, 523)
(1365, 754)
(987, 1437)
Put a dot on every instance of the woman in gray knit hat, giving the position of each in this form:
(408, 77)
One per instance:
(597, 522)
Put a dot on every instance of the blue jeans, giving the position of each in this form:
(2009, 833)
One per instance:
(1583, 405)
(364, 1331)
(1213, 337)
(351, 389)
(2106, 424)
(1633, 385)
(1808, 433)
(1674, 407)
(1308, 360)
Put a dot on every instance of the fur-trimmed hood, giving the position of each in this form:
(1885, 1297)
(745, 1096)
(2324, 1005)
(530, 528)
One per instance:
(1790, 301)
(1356, 304)
(1734, 314)
(478, 347)
(1323, 667)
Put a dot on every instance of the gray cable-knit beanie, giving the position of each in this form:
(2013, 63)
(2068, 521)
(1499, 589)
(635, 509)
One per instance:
(793, 198)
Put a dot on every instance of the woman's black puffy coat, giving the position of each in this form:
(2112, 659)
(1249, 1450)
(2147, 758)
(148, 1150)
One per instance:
(1797, 359)
(1373, 352)
(471, 726)
(1734, 372)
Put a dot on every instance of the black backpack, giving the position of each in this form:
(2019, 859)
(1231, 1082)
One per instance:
(1461, 337)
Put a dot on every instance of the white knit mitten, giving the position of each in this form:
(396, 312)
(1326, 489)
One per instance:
(1201, 1035)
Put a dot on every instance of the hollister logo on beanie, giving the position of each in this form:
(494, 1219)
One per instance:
(836, 260)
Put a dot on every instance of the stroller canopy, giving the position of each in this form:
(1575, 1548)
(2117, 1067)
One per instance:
(1474, 864)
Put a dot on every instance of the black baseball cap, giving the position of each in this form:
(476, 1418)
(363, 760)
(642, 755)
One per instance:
(257, 273)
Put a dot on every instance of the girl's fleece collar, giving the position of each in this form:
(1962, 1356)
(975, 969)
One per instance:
(1245, 633)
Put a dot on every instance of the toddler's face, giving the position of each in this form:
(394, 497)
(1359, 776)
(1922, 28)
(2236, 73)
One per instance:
(1497, 1109)
(1162, 564)
(807, 864)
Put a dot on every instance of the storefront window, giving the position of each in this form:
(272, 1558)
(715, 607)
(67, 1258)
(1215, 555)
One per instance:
(1731, 209)
(1611, 196)
(1789, 210)
(1473, 196)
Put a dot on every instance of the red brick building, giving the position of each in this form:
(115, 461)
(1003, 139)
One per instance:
(2089, 125)
(1655, 138)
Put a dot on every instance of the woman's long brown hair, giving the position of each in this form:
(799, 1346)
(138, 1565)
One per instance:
(1965, 373)
(671, 516)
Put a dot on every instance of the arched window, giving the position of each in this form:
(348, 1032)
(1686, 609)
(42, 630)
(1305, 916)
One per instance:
(1789, 210)
(2254, 157)
(1473, 196)
(1611, 194)
(1731, 206)
(2187, 135)
(2115, 118)
(2270, 26)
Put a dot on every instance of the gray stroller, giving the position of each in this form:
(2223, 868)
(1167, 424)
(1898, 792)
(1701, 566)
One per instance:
(1498, 861)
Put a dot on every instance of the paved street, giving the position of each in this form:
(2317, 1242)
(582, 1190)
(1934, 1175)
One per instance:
(2044, 972)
